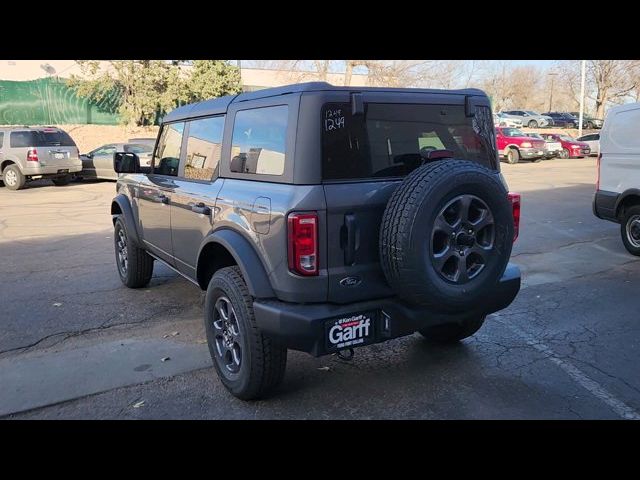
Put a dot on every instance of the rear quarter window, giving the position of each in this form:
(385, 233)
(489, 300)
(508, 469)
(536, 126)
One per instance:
(259, 140)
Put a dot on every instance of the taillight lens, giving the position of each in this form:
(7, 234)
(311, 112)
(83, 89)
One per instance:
(32, 155)
(598, 174)
(303, 243)
(514, 198)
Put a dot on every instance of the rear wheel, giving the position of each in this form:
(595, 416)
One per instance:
(453, 332)
(630, 230)
(249, 364)
(135, 265)
(590, 125)
(61, 181)
(13, 177)
(513, 156)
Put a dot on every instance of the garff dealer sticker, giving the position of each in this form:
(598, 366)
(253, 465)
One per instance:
(345, 332)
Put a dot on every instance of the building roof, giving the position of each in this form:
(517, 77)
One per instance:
(220, 105)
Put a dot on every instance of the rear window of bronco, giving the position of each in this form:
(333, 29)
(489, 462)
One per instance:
(388, 139)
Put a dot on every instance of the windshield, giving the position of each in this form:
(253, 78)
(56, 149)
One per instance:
(391, 140)
(535, 135)
(567, 138)
(512, 132)
(530, 112)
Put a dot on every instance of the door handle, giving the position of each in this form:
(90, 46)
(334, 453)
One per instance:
(201, 208)
(161, 198)
(351, 227)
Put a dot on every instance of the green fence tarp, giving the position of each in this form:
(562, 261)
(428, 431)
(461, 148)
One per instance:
(49, 101)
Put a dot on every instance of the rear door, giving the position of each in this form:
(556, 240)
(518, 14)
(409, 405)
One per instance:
(365, 157)
(194, 197)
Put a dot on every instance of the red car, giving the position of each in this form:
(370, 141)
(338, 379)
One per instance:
(571, 148)
(513, 145)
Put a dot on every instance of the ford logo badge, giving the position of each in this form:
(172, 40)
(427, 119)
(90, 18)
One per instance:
(350, 281)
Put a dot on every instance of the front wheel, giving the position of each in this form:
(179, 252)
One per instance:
(533, 124)
(564, 153)
(135, 265)
(630, 230)
(249, 364)
(513, 156)
(453, 332)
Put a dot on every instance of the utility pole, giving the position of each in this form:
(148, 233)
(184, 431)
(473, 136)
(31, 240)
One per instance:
(584, 70)
(552, 75)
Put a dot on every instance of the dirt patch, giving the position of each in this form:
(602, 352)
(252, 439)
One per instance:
(88, 137)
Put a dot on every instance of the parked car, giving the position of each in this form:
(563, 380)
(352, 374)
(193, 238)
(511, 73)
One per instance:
(501, 120)
(563, 119)
(514, 145)
(593, 140)
(144, 140)
(529, 118)
(552, 148)
(98, 163)
(32, 153)
(302, 241)
(588, 121)
(571, 148)
(617, 196)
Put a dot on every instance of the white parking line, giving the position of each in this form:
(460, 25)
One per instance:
(597, 390)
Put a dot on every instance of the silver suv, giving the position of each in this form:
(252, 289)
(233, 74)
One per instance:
(32, 153)
(321, 218)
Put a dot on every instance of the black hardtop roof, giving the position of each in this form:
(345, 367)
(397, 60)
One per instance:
(220, 105)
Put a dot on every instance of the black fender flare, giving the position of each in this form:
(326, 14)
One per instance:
(623, 196)
(127, 213)
(247, 259)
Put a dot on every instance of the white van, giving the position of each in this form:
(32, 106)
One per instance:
(617, 195)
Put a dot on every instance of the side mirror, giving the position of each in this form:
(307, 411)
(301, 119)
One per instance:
(126, 162)
(88, 155)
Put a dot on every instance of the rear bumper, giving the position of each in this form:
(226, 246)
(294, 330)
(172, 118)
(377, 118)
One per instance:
(52, 169)
(304, 326)
(604, 205)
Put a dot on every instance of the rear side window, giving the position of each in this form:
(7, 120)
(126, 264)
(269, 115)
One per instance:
(22, 139)
(389, 140)
(259, 141)
(204, 147)
(40, 138)
(167, 157)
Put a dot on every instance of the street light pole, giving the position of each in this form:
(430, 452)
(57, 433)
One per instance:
(584, 70)
(552, 75)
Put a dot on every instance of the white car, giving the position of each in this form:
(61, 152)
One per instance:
(593, 140)
(501, 120)
(617, 196)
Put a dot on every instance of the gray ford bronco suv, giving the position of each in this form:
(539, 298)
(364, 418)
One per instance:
(322, 218)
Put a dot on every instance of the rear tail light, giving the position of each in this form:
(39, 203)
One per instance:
(303, 243)
(32, 155)
(514, 198)
(598, 174)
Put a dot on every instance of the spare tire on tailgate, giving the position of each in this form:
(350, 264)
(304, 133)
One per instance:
(446, 235)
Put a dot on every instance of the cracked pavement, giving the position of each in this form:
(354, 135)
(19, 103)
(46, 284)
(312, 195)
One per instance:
(567, 348)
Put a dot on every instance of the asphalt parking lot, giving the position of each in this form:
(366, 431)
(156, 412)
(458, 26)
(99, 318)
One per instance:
(75, 343)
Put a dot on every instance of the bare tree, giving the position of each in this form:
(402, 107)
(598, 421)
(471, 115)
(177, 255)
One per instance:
(614, 81)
